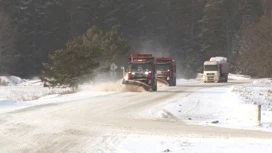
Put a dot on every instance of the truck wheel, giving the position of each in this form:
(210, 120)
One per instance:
(172, 83)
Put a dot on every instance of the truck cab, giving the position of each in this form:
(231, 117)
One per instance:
(141, 70)
(166, 70)
(215, 70)
(211, 71)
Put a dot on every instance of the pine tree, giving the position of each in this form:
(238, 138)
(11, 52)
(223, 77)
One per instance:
(76, 63)
(213, 30)
(115, 48)
(8, 56)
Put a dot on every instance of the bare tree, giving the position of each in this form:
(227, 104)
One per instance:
(7, 42)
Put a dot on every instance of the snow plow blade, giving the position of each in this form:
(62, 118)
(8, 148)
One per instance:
(162, 81)
(137, 83)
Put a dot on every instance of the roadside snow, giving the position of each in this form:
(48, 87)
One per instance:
(17, 89)
(17, 93)
(258, 92)
(160, 144)
(10, 105)
(228, 106)
(214, 105)
(238, 77)
(10, 80)
(26, 93)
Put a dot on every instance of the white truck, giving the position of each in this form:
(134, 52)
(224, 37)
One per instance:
(216, 70)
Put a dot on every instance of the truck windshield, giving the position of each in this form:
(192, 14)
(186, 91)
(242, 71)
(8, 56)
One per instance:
(163, 67)
(211, 68)
(140, 67)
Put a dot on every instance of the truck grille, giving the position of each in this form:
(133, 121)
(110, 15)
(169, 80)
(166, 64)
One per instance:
(210, 78)
(139, 76)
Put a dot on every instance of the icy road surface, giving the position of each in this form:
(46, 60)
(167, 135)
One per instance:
(101, 124)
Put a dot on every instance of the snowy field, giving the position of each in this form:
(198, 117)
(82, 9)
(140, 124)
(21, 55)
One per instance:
(260, 92)
(226, 106)
(17, 89)
(17, 93)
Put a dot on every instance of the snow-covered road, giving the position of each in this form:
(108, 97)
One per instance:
(115, 122)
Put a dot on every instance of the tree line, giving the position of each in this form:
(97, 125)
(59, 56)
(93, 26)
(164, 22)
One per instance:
(191, 31)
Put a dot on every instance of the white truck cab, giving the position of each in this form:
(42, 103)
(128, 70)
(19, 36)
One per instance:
(215, 70)
(211, 71)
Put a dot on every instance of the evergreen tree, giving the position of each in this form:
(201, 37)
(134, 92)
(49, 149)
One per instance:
(115, 48)
(76, 63)
(8, 57)
(213, 30)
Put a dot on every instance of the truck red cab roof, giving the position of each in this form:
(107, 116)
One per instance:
(164, 59)
(141, 58)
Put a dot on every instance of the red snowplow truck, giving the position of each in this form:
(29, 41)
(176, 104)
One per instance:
(141, 71)
(166, 71)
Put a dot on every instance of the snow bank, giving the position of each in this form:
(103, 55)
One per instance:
(263, 83)
(10, 80)
(25, 93)
(160, 144)
(221, 106)
(209, 105)
(7, 105)
(11, 105)
(6, 102)
(18, 89)
(238, 77)
(260, 92)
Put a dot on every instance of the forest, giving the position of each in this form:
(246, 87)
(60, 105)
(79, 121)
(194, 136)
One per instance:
(190, 31)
